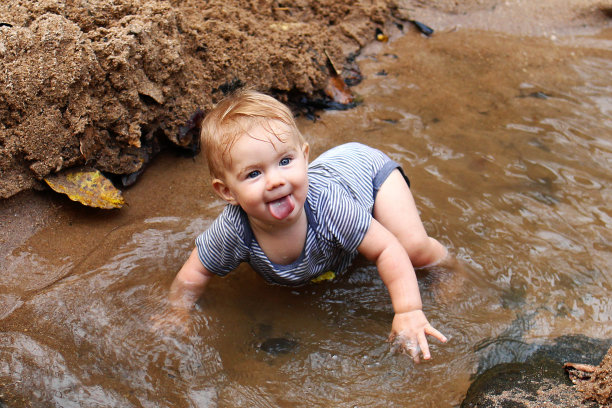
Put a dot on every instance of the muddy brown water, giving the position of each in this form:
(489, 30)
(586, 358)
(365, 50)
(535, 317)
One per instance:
(508, 144)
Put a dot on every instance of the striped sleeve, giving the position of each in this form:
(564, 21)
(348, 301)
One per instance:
(221, 248)
(345, 221)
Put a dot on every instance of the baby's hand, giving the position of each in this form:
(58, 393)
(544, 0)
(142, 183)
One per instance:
(172, 320)
(408, 334)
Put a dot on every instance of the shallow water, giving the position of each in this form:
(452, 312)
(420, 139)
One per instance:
(508, 144)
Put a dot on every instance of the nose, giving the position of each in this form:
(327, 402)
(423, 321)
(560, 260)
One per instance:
(274, 179)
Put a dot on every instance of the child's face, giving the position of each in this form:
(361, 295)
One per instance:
(268, 178)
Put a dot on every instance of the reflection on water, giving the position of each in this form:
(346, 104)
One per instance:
(508, 144)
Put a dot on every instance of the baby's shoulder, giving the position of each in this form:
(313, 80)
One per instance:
(231, 222)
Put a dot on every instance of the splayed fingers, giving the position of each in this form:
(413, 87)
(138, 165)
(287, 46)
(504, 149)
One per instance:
(417, 345)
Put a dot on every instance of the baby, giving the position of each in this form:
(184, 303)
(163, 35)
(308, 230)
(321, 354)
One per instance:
(293, 222)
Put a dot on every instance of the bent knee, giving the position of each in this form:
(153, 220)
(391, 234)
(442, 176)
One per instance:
(425, 251)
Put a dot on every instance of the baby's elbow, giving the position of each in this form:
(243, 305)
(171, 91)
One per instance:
(392, 255)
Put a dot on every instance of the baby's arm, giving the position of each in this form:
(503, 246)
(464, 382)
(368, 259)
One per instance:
(189, 283)
(186, 289)
(409, 324)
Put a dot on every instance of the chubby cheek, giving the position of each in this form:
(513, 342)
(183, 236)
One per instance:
(253, 195)
(303, 186)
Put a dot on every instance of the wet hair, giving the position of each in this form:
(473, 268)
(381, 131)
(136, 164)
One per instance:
(234, 117)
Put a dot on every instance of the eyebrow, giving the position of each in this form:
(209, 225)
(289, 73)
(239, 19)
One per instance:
(281, 152)
(247, 169)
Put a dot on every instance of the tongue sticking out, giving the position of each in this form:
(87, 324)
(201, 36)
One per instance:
(281, 208)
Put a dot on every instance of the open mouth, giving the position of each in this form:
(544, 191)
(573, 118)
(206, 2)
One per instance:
(281, 207)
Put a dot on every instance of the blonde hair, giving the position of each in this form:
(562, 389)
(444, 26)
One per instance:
(233, 117)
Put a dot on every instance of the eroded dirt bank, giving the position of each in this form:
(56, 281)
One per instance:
(104, 82)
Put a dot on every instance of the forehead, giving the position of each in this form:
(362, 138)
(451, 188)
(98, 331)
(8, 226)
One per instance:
(271, 129)
(272, 132)
(271, 135)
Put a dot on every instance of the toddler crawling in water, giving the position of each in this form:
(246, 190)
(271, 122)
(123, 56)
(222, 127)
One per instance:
(293, 222)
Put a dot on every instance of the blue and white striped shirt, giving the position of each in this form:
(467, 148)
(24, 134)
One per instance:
(343, 183)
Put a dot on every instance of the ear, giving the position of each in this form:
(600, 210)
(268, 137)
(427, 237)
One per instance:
(306, 150)
(223, 191)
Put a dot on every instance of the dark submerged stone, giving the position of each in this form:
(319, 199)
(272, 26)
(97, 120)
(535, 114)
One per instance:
(278, 345)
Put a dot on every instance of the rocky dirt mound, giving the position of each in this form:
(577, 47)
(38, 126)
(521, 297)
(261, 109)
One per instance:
(595, 383)
(105, 82)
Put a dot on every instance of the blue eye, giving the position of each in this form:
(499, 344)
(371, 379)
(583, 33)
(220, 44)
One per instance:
(253, 174)
(285, 161)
